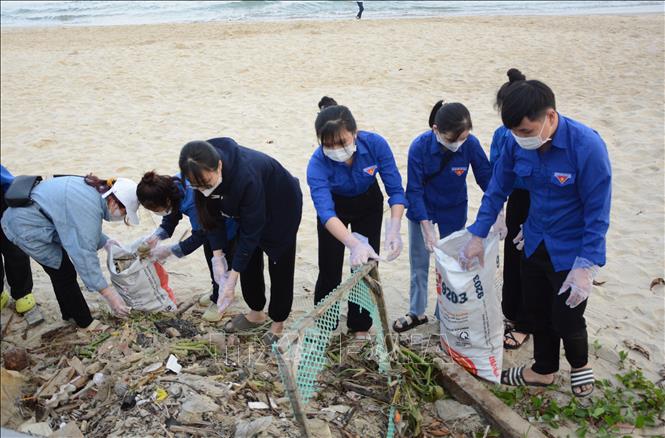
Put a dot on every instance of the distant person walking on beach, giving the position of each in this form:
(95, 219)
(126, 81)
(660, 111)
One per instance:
(360, 10)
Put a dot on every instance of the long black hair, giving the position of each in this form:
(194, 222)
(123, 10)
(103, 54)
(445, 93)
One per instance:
(197, 157)
(331, 121)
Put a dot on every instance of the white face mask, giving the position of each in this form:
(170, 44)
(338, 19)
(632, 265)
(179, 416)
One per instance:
(163, 213)
(453, 147)
(531, 143)
(208, 192)
(340, 154)
(115, 215)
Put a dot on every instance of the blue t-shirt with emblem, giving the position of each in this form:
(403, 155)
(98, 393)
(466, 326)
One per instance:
(439, 193)
(373, 156)
(570, 188)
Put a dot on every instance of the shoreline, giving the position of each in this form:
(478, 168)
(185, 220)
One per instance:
(585, 14)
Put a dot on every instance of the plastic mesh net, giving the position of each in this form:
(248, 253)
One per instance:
(307, 358)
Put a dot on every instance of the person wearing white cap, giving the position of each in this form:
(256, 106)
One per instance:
(61, 229)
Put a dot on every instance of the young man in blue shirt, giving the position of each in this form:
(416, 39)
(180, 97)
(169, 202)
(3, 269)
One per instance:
(566, 169)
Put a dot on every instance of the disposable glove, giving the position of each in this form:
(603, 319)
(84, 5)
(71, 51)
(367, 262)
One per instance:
(519, 240)
(220, 270)
(392, 243)
(115, 302)
(361, 251)
(472, 254)
(429, 234)
(500, 226)
(579, 281)
(161, 252)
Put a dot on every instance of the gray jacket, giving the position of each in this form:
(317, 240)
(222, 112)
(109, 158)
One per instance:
(66, 213)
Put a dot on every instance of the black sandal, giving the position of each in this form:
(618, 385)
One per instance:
(580, 378)
(408, 324)
(515, 377)
(508, 336)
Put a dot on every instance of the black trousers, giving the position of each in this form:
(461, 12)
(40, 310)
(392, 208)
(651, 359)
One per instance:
(19, 274)
(67, 291)
(551, 320)
(512, 302)
(360, 9)
(281, 272)
(228, 255)
(364, 213)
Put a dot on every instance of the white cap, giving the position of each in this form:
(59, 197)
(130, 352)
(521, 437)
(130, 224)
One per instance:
(125, 190)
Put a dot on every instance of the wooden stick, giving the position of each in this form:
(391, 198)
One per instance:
(294, 396)
(469, 390)
(4, 329)
(375, 286)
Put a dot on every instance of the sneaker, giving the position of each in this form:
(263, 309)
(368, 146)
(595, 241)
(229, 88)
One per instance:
(4, 299)
(204, 300)
(212, 314)
(25, 304)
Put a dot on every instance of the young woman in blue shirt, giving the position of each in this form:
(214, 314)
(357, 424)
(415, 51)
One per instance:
(439, 161)
(172, 197)
(342, 179)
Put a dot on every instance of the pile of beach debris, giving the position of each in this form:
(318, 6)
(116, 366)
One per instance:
(173, 375)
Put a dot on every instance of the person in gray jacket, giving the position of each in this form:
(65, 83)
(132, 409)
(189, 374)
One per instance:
(62, 230)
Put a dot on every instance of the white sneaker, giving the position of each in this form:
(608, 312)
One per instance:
(212, 314)
(204, 300)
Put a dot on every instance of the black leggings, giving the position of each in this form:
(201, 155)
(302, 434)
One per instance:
(67, 291)
(282, 270)
(551, 320)
(364, 213)
(19, 274)
(512, 303)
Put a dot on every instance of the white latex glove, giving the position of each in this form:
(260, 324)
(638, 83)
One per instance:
(579, 281)
(109, 243)
(429, 235)
(500, 226)
(519, 239)
(361, 251)
(220, 270)
(152, 240)
(227, 293)
(392, 243)
(115, 301)
(472, 254)
(161, 252)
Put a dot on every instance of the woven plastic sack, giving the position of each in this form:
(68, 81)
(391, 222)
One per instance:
(138, 281)
(470, 307)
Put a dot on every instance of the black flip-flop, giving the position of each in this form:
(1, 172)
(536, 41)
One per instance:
(413, 321)
(580, 378)
(515, 377)
(508, 335)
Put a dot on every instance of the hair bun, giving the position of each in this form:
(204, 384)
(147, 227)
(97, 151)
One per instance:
(515, 75)
(149, 177)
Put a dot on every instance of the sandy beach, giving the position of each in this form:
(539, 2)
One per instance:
(121, 100)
